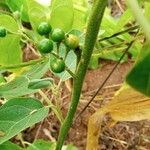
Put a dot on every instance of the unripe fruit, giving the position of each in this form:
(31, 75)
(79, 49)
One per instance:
(58, 35)
(45, 46)
(44, 28)
(57, 65)
(72, 41)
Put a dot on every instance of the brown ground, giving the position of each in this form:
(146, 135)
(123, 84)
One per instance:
(123, 136)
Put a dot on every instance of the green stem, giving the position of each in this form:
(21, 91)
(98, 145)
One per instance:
(70, 72)
(90, 39)
(137, 13)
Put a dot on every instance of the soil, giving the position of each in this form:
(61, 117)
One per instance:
(122, 136)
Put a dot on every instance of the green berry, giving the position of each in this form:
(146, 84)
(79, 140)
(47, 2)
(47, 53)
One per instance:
(44, 28)
(45, 46)
(58, 35)
(72, 41)
(3, 31)
(57, 65)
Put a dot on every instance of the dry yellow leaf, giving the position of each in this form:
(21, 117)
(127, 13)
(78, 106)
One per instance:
(127, 105)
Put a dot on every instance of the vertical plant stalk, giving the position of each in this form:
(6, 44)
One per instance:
(90, 39)
(138, 15)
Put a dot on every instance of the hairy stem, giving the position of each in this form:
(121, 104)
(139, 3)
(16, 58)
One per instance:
(90, 39)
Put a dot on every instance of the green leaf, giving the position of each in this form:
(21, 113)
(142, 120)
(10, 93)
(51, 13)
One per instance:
(10, 50)
(14, 5)
(139, 76)
(147, 10)
(62, 14)
(94, 62)
(124, 20)
(79, 19)
(9, 146)
(9, 23)
(37, 71)
(19, 86)
(37, 13)
(69, 147)
(47, 145)
(24, 12)
(42, 145)
(113, 54)
(18, 114)
(3, 6)
(19, 5)
(2, 79)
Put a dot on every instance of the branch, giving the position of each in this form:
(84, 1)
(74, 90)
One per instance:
(90, 39)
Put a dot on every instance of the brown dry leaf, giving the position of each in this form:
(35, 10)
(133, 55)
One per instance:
(127, 105)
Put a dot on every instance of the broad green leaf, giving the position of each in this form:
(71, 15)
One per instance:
(19, 5)
(79, 19)
(139, 76)
(3, 6)
(124, 20)
(83, 3)
(10, 50)
(9, 23)
(47, 145)
(37, 13)
(37, 71)
(112, 54)
(135, 49)
(127, 105)
(19, 86)
(9, 146)
(19, 113)
(147, 10)
(69, 147)
(94, 62)
(2, 79)
(14, 5)
(62, 14)
(108, 21)
(42, 145)
(114, 27)
(24, 12)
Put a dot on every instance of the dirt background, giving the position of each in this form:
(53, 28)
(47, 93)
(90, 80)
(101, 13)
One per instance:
(122, 136)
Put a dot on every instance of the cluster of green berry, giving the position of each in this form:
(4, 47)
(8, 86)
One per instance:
(46, 45)
(55, 35)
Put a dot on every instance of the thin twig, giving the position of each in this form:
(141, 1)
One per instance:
(109, 75)
(119, 33)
